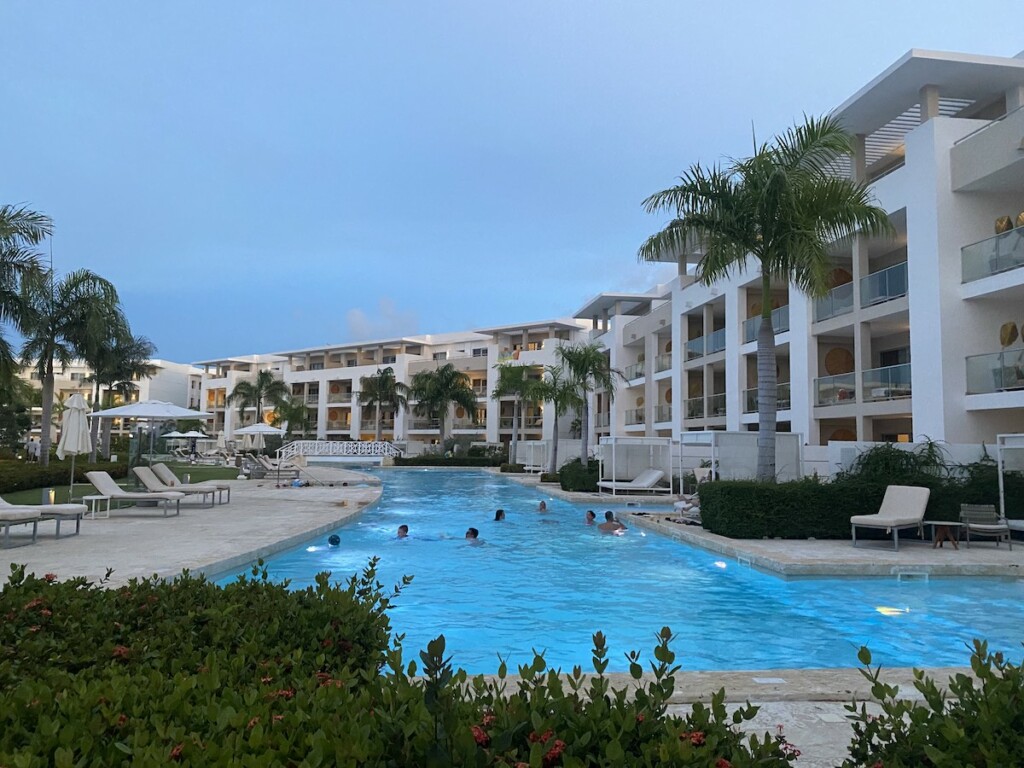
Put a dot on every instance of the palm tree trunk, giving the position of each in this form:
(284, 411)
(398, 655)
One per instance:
(376, 433)
(441, 425)
(94, 428)
(584, 428)
(513, 450)
(44, 434)
(553, 463)
(767, 388)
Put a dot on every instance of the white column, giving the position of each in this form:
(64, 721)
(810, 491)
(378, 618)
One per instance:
(734, 381)
(650, 385)
(929, 102)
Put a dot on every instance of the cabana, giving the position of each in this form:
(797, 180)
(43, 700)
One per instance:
(533, 455)
(635, 464)
(1010, 458)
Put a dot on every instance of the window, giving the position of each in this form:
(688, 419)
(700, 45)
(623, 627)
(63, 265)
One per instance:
(77, 376)
(316, 366)
(389, 359)
(350, 364)
(899, 356)
(479, 351)
(440, 355)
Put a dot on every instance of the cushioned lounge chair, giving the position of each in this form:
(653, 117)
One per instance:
(645, 481)
(153, 484)
(168, 478)
(105, 484)
(57, 512)
(15, 515)
(902, 507)
(983, 520)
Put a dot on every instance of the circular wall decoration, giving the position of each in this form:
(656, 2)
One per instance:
(639, 402)
(269, 417)
(668, 344)
(460, 412)
(335, 389)
(838, 360)
(332, 414)
(1003, 224)
(1007, 334)
(840, 276)
(668, 395)
(696, 388)
(843, 435)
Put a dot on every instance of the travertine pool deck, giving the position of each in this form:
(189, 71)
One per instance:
(259, 521)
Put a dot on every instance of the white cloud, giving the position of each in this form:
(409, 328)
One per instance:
(388, 321)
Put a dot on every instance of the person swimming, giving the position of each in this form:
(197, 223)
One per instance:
(499, 515)
(543, 506)
(403, 531)
(473, 537)
(590, 518)
(610, 524)
(334, 540)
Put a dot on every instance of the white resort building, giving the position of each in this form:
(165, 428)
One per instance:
(914, 338)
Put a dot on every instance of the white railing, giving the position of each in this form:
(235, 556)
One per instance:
(338, 448)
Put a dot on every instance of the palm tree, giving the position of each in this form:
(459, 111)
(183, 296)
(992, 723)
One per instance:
(293, 412)
(589, 370)
(383, 390)
(20, 231)
(437, 391)
(514, 381)
(558, 389)
(60, 321)
(116, 365)
(253, 394)
(783, 207)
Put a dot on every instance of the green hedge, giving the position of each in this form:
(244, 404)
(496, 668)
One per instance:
(255, 674)
(575, 477)
(436, 460)
(22, 476)
(515, 469)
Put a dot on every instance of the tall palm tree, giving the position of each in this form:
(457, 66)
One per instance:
(589, 370)
(558, 389)
(116, 365)
(20, 231)
(254, 394)
(437, 391)
(782, 208)
(293, 413)
(514, 381)
(383, 390)
(61, 320)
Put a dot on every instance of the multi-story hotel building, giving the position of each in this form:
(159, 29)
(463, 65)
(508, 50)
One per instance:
(912, 340)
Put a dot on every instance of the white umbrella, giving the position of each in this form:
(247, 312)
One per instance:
(221, 442)
(246, 442)
(193, 433)
(172, 435)
(260, 428)
(258, 442)
(151, 410)
(74, 433)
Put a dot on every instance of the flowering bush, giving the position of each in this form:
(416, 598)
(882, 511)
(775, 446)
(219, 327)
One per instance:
(255, 674)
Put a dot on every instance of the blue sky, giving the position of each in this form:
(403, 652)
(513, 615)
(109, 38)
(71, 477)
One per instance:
(261, 176)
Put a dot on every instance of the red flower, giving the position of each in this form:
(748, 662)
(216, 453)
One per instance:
(46, 612)
(554, 753)
(480, 735)
(283, 693)
(640, 718)
(176, 751)
(277, 718)
(327, 642)
(122, 720)
(50, 577)
(121, 652)
(722, 763)
(34, 603)
(489, 719)
(697, 738)
(878, 764)
(534, 738)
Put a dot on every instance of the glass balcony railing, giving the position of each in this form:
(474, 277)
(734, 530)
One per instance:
(833, 390)
(839, 301)
(635, 371)
(694, 408)
(784, 401)
(780, 324)
(992, 256)
(995, 372)
(336, 426)
(480, 391)
(663, 413)
(635, 416)
(884, 285)
(716, 342)
(339, 397)
(424, 424)
(695, 348)
(662, 362)
(716, 405)
(602, 420)
(889, 383)
(528, 422)
(468, 424)
(312, 398)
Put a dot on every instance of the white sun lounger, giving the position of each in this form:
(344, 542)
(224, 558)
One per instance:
(168, 478)
(645, 481)
(18, 515)
(902, 507)
(149, 479)
(105, 484)
(58, 512)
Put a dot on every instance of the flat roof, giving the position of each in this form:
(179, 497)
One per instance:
(957, 76)
(633, 303)
(567, 323)
(250, 359)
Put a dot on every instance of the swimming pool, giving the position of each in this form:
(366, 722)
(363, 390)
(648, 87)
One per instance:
(547, 582)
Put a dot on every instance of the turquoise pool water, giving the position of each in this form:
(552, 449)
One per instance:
(547, 581)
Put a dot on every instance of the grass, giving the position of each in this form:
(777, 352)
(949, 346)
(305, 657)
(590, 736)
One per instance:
(197, 472)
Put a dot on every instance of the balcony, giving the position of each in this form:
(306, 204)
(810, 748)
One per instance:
(884, 285)
(889, 383)
(694, 408)
(635, 371)
(529, 422)
(663, 362)
(313, 398)
(716, 405)
(835, 390)
(339, 397)
(995, 372)
(480, 390)
(338, 426)
(662, 413)
(784, 398)
(838, 301)
(469, 425)
(780, 324)
(706, 345)
(634, 416)
(992, 256)
(602, 420)
(422, 425)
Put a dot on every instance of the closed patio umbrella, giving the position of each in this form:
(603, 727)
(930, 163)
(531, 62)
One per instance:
(74, 435)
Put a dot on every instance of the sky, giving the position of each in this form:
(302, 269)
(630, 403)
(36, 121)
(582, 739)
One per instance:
(263, 176)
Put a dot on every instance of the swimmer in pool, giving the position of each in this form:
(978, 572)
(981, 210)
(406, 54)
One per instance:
(499, 515)
(403, 531)
(590, 517)
(610, 524)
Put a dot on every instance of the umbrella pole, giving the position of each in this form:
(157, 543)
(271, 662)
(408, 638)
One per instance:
(71, 492)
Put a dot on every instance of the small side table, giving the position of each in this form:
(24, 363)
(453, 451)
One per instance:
(943, 530)
(94, 502)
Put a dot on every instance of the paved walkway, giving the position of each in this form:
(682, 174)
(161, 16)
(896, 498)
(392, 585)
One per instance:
(260, 520)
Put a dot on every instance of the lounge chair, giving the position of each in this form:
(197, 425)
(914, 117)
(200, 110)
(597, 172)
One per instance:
(902, 507)
(58, 512)
(105, 484)
(645, 481)
(285, 469)
(15, 515)
(983, 520)
(168, 478)
(153, 484)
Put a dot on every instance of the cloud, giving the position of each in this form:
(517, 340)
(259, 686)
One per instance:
(389, 322)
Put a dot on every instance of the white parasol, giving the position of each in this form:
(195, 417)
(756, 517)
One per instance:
(74, 433)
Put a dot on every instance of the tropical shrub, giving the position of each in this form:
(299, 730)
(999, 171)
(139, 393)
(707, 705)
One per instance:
(255, 674)
(22, 476)
(517, 469)
(575, 477)
(548, 477)
(980, 721)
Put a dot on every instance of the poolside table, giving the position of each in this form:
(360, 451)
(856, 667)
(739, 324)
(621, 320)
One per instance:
(944, 530)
